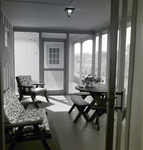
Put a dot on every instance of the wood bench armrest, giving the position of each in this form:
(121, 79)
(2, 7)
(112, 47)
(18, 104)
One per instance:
(22, 124)
(38, 83)
(26, 86)
(25, 104)
(28, 103)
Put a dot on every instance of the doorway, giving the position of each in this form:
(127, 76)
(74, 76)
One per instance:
(53, 65)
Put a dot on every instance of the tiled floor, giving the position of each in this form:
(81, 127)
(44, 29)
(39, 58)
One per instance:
(74, 136)
(67, 135)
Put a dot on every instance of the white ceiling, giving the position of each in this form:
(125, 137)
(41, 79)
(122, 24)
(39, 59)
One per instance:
(88, 14)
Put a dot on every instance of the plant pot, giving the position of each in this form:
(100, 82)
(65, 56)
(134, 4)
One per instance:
(90, 84)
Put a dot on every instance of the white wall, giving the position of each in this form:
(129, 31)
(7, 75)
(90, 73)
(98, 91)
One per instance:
(27, 58)
(136, 133)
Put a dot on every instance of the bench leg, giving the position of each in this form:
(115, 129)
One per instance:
(42, 138)
(97, 114)
(87, 109)
(81, 112)
(73, 106)
(46, 97)
(21, 96)
(97, 122)
(15, 139)
(94, 115)
(77, 117)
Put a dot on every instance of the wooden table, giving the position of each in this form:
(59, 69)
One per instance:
(99, 94)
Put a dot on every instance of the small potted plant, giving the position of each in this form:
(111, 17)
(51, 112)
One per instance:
(90, 81)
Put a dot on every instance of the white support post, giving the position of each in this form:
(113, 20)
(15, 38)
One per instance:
(131, 72)
(2, 134)
(121, 69)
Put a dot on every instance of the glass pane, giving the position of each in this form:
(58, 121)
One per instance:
(53, 80)
(117, 60)
(96, 55)
(77, 47)
(87, 57)
(53, 54)
(74, 60)
(104, 57)
(51, 50)
(127, 55)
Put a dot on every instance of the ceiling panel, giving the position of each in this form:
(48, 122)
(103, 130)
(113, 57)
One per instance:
(88, 14)
(47, 11)
(20, 9)
(53, 2)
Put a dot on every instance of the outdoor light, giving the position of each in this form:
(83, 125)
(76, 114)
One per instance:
(69, 11)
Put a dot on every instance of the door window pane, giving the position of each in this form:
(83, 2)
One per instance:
(53, 80)
(53, 59)
(53, 54)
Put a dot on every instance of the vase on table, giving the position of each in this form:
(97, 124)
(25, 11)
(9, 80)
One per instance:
(90, 84)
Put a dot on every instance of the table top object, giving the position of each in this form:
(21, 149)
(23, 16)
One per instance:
(99, 88)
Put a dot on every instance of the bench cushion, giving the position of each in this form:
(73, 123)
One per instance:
(33, 115)
(14, 112)
(12, 106)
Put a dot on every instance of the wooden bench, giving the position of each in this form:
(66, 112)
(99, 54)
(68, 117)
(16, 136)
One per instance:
(23, 123)
(80, 104)
(83, 95)
(99, 110)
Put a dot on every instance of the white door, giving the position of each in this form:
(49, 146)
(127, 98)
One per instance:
(54, 67)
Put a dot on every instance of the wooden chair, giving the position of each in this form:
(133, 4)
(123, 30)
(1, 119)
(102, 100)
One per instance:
(22, 123)
(81, 105)
(26, 87)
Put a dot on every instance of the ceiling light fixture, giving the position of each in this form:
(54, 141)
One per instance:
(69, 11)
